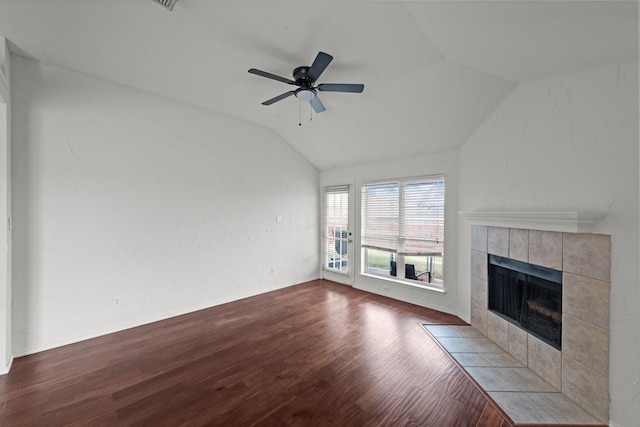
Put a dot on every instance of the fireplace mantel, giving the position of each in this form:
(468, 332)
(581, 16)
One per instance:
(564, 221)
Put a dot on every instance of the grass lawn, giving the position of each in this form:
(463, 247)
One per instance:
(382, 259)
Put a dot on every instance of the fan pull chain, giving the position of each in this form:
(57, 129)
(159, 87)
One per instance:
(300, 113)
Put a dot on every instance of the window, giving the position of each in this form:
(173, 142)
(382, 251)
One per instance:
(403, 229)
(336, 233)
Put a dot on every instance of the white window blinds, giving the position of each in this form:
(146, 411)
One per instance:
(422, 217)
(379, 211)
(336, 204)
(404, 216)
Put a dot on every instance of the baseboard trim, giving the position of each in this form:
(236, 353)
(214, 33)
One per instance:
(7, 368)
(146, 321)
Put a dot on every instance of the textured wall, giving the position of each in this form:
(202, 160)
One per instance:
(570, 144)
(169, 208)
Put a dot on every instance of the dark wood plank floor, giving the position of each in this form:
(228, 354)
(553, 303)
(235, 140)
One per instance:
(319, 353)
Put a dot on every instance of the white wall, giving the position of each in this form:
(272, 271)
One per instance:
(5, 208)
(170, 208)
(446, 163)
(570, 144)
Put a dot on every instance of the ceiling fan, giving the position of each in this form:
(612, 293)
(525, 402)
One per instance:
(305, 79)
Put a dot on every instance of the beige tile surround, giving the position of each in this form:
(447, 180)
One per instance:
(581, 370)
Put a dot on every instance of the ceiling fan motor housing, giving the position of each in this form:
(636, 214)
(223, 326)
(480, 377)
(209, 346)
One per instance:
(301, 78)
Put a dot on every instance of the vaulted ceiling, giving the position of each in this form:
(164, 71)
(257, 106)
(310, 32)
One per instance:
(433, 71)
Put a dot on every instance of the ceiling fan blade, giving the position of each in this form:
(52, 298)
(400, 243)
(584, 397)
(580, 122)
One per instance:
(319, 65)
(279, 97)
(271, 76)
(341, 87)
(317, 105)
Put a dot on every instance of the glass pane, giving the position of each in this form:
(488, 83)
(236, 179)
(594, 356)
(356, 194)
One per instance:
(379, 262)
(530, 302)
(437, 275)
(423, 268)
(542, 311)
(337, 248)
(336, 207)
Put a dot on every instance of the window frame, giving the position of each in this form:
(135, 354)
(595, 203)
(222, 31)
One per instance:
(399, 251)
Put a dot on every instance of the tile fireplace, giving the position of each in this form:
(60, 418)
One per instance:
(576, 360)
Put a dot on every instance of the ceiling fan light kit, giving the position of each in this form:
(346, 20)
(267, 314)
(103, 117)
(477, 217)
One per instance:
(305, 94)
(305, 79)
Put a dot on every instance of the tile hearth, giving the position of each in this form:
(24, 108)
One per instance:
(524, 396)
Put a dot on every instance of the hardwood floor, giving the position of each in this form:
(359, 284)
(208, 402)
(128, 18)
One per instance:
(318, 353)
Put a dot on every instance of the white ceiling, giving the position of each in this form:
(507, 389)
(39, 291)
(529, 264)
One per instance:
(433, 71)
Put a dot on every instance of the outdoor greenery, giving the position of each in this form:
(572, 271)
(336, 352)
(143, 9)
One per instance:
(382, 260)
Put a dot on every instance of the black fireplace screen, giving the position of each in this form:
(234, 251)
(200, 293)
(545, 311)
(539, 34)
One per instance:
(527, 295)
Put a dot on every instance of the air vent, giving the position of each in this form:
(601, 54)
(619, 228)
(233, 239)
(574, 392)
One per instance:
(166, 3)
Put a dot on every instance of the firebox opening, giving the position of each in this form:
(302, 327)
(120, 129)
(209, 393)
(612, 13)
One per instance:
(528, 296)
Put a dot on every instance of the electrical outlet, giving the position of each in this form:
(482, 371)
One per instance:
(385, 289)
(273, 270)
(116, 301)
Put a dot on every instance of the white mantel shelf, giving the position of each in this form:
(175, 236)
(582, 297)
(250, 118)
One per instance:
(571, 222)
